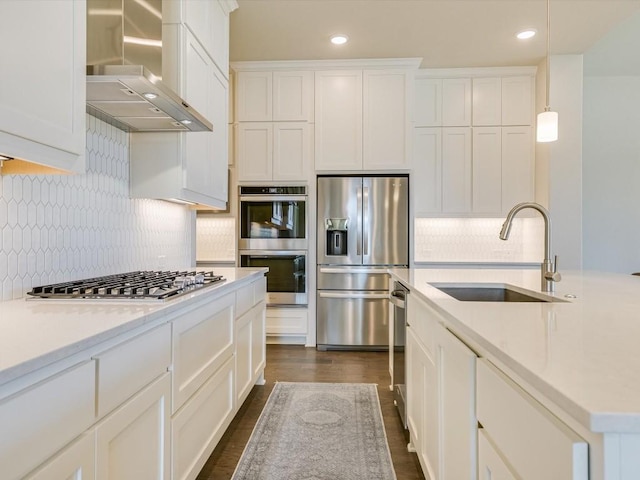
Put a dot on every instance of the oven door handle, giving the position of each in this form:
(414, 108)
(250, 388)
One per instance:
(353, 295)
(273, 198)
(272, 253)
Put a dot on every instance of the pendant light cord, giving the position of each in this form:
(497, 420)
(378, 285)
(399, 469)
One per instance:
(547, 108)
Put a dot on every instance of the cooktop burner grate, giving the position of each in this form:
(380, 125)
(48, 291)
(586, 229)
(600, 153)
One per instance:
(158, 285)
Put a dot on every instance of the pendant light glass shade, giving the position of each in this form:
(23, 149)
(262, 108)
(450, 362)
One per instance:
(547, 130)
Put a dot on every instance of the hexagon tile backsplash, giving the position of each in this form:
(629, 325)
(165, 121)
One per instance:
(56, 228)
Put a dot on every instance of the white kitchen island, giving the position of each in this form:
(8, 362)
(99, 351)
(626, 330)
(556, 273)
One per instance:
(95, 389)
(572, 363)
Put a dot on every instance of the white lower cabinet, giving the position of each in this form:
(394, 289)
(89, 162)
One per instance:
(287, 325)
(491, 466)
(250, 350)
(534, 442)
(441, 396)
(42, 419)
(198, 426)
(75, 462)
(132, 443)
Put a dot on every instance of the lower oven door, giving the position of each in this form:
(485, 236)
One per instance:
(353, 320)
(287, 276)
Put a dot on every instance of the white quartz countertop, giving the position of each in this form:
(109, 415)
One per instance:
(35, 333)
(582, 354)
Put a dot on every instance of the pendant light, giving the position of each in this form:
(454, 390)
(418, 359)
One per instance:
(547, 120)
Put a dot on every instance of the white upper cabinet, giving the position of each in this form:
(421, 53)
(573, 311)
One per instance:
(517, 100)
(427, 110)
(338, 120)
(192, 166)
(42, 120)
(487, 101)
(503, 101)
(472, 145)
(254, 101)
(209, 23)
(386, 119)
(362, 119)
(456, 102)
(273, 151)
(265, 96)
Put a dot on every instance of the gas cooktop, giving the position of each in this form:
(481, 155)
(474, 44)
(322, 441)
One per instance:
(140, 285)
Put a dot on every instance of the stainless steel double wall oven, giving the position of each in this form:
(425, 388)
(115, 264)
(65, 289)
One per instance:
(273, 232)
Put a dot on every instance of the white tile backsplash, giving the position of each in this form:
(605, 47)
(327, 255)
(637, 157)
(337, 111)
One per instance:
(56, 228)
(476, 240)
(216, 238)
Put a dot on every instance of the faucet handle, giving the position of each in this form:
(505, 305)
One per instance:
(554, 275)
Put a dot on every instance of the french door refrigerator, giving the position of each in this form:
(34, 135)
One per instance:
(363, 228)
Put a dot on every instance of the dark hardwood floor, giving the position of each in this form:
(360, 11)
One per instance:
(299, 364)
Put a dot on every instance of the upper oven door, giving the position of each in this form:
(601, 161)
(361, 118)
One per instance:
(273, 222)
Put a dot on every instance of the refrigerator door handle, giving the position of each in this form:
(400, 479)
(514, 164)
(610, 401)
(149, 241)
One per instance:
(365, 220)
(353, 295)
(359, 222)
(351, 270)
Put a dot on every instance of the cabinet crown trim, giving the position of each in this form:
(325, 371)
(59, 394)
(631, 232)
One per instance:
(373, 63)
(475, 72)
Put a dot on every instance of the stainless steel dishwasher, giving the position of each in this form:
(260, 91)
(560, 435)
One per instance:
(398, 298)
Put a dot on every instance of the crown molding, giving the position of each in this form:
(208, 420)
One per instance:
(476, 72)
(369, 63)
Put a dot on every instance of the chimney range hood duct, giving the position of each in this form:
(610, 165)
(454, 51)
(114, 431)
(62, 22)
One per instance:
(124, 61)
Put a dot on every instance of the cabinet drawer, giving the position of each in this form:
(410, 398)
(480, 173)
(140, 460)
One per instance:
(535, 442)
(128, 367)
(197, 428)
(37, 422)
(76, 462)
(249, 295)
(423, 322)
(202, 342)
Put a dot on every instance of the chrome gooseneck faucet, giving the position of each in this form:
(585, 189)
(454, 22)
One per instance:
(549, 269)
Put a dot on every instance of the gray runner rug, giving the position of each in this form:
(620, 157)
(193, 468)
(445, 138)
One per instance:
(318, 431)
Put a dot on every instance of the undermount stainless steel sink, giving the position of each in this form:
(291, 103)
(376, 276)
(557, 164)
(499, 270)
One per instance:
(487, 294)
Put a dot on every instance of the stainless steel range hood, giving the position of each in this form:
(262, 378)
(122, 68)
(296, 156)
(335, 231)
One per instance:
(124, 68)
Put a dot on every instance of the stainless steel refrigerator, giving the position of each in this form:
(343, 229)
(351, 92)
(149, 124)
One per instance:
(363, 228)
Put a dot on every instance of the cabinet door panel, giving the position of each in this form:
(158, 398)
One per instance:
(456, 102)
(254, 97)
(133, 442)
(517, 166)
(427, 170)
(293, 96)
(517, 100)
(487, 101)
(338, 120)
(456, 170)
(220, 137)
(457, 366)
(255, 151)
(385, 119)
(487, 170)
(428, 102)
(197, 428)
(75, 462)
(291, 150)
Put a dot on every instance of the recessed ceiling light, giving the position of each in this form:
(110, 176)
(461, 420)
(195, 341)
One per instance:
(528, 33)
(150, 95)
(339, 39)
(185, 122)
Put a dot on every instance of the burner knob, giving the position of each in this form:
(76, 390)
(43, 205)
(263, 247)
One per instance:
(180, 282)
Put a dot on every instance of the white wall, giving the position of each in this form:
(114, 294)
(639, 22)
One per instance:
(611, 145)
(56, 228)
(565, 161)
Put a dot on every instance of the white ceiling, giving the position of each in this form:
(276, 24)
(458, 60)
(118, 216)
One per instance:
(445, 33)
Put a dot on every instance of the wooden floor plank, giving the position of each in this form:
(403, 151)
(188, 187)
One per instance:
(291, 363)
